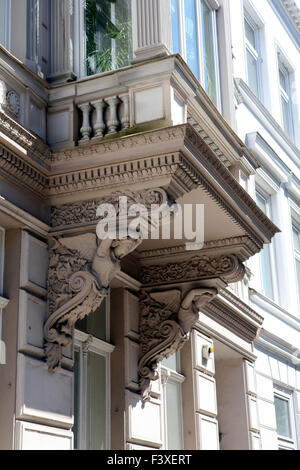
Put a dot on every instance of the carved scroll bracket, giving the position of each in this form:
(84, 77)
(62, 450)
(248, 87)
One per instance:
(81, 268)
(165, 324)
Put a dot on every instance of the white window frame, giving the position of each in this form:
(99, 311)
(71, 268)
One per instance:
(170, 375)
(286, 96)
(213, 5)
(296, 226)
(103, 349)
(284, 442)
(267, 198)
(255, 52)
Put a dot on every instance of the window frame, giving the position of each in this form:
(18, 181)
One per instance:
(173, 376)
(287, 443)
(213, 6)
(255, 52)
(79, 53)
(285, 94)
(104, 349)
(296, 227)
(267, 198)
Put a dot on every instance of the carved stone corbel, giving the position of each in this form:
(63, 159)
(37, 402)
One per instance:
(165, 324)
(81, 268)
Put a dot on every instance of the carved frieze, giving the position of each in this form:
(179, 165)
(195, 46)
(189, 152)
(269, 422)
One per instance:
(199, 267)
(85, 211)
(166, 320)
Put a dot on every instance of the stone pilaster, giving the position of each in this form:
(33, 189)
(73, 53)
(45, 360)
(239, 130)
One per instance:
(151, 28)
(61, 66)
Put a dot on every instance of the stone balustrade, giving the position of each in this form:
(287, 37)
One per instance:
(104, 116)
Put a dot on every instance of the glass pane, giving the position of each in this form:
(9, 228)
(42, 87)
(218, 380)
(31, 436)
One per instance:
(283, 80)
(2, 21)
(175, 26)
(76, 398)
(282, 417)
(96, 402)
(261, 202)
(296, 239)
(298, 275)
(250, 34)
(209, 59)
(192, 52)
(266, 272)
(95, 323)
(108, 35)
(285, 109)
(171, 362)
(174, 426)
(252, 72)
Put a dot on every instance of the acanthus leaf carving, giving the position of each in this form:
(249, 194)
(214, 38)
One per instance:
(80, 270)
(166, 320)
(228, 267)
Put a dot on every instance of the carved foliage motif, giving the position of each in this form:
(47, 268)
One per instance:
(85, 212)
(73, 292)
(198, 267)
(165, 323)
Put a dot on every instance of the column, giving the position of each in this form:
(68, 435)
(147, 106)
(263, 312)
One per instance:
(151, 29)
(61, 61)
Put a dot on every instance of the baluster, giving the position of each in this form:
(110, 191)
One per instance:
(113, 122)
(99, 125)
(126, 117)
(86, 129)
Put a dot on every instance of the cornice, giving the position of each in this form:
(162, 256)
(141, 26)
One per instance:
(232, 319)
(26, 175)
(232, 243)
(197, 166)
(21, 136)
(239, 304)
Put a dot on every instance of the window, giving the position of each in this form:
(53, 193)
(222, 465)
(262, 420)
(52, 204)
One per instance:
(194, 36)
(4, 22)
(108, 35)
(285, 101)
(263, 203)
(285, 420)
(92, 378)
(37, 36)
(252, 55)
(296, 241)
(171, 384)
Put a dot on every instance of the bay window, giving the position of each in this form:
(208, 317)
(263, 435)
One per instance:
(194, 37)
(107, 40)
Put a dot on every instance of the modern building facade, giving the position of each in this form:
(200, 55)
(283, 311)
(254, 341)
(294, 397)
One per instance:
(149, 344)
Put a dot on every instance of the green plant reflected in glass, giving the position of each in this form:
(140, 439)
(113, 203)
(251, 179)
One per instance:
(108, 35)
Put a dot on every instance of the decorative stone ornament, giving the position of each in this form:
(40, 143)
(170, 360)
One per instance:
(13, 103)
(80, 271)
(165, 324)
(81, 268)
